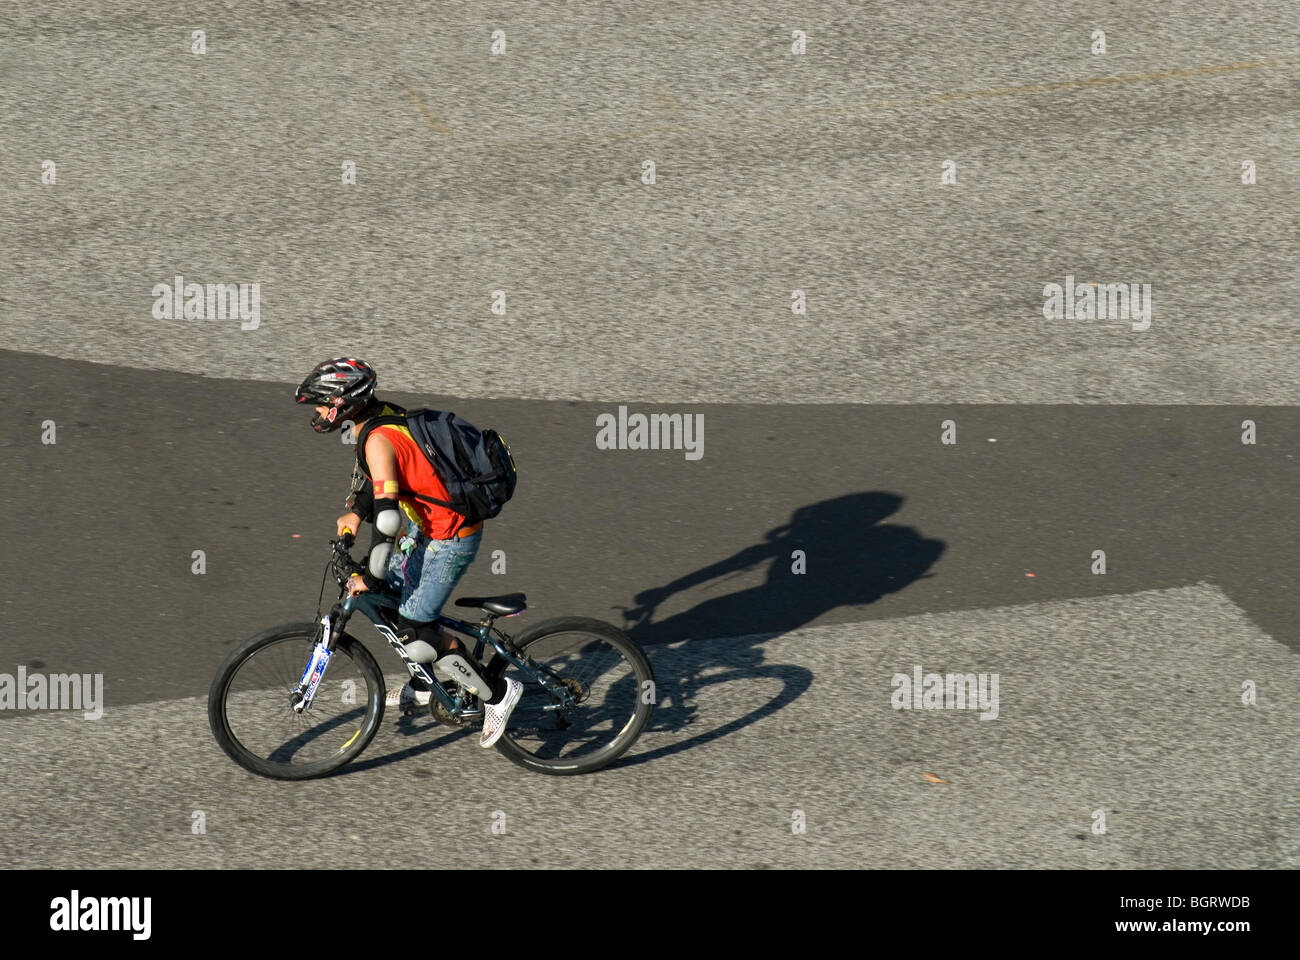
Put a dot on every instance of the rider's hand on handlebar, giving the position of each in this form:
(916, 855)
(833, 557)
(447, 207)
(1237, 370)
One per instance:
(356, 585)
(349, 522)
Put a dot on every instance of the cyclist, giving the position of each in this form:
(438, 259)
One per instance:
(433, 545)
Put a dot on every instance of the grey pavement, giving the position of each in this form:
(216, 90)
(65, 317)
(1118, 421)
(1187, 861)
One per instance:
(522, 173)
(1127, 705)
(775, 172)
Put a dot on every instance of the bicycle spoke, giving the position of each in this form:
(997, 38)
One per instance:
(589, 727)
(259, 709)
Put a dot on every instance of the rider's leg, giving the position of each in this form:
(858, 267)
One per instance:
(431, 571)
(422, 643)
(427, 642)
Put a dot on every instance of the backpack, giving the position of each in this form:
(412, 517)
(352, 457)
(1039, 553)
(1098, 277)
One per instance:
(474, 465)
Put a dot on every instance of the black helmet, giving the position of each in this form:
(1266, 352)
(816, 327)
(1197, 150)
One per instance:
(344, 385)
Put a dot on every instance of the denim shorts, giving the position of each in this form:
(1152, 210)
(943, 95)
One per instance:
(427, 574)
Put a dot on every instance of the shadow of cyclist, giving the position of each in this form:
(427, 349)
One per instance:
(849, 558)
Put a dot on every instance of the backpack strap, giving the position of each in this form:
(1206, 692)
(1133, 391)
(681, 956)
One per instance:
(420, 496)
(364, 433)
(410, 421)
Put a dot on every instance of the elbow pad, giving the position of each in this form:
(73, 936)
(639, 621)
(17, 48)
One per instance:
(387, 522)
(388, 519)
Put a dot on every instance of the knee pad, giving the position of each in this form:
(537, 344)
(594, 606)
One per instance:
(379, 555)
(419, 651)
(456, 667)
(424, 642)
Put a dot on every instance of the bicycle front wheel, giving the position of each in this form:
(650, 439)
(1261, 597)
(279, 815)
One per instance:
(250, 705)
(614, 685)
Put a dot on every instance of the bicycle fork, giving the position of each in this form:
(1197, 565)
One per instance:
(311, 677)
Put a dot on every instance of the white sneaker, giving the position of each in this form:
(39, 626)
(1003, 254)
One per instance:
(406, 696)
(495, 715)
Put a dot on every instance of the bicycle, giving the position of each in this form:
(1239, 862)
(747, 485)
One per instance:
(278, 720)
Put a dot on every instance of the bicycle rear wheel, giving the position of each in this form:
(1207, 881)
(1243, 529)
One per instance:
(616, 697)
(250, 705)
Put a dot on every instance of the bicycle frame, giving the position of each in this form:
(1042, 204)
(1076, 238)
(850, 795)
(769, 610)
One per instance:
(371, 604)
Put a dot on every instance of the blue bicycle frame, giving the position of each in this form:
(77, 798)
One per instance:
(372, 604)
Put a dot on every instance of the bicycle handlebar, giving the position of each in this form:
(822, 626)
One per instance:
(343, 564)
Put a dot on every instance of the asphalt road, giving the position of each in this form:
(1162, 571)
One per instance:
(774, 687)
(1128, 706)
(1121, 692)
(775, 172)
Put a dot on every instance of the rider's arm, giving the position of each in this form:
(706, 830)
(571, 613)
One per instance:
(362, 503)
(385, 517)
(382, 460)
(360, 500)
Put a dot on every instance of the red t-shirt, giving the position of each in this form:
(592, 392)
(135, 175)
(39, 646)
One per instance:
(416, 475)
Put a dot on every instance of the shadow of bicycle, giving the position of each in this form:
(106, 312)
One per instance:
(849, 558)
(422, 726)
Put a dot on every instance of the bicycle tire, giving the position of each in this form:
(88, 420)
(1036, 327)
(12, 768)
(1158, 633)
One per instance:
(626, 736)
(230, 744)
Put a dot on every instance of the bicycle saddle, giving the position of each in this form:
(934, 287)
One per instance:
(505, 605)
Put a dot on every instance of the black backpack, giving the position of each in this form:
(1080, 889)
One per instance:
(474, 465)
